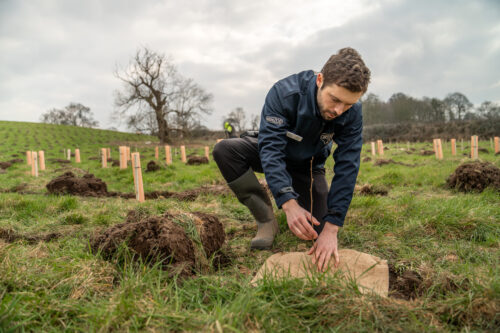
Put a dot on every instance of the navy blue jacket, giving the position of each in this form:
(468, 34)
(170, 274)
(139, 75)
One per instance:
(290, 114)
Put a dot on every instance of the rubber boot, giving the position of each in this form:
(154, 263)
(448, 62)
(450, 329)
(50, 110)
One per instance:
(250, 192)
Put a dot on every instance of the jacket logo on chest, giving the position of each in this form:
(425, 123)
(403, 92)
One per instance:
(326, 137)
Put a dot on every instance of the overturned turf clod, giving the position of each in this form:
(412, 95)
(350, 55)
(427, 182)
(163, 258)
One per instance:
(68, 183)
(474, 177)
(197, 160)
(168, 238)
(152, 166)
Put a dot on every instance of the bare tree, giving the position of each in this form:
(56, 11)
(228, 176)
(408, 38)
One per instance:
(254, 122)
(153, 85)
(457, 105)
(238, 118)
(75, 114)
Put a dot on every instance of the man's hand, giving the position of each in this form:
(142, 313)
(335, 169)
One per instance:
(298, 220)
(325, 246)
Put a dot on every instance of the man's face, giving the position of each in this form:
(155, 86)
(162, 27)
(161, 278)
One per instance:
(333, 100)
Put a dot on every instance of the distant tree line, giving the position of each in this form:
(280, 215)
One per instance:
(74, 114)
(401, 108)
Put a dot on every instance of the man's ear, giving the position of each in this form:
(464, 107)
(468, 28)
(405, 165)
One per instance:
(319, 80)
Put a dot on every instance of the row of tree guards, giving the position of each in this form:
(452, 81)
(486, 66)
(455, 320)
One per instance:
(438, 147)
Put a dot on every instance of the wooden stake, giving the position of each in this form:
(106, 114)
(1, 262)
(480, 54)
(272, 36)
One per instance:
(439, 149)
(123, 157)
(183, 154)
(128, 153)
(104, 157)
(41, 157)
(474, 147)
(34, 164)
(373, 149)
(207, 153)
(136, 167)
(28, 157)
(77, 156)
(156, 153)
(168, 155)
(497, 144)
(380, 147)
(453, 147)
(69, 154)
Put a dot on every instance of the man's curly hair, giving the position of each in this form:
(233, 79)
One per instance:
(346, 69)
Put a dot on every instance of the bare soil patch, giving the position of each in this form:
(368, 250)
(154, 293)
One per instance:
(407, 285)
(197, 160)
(58, 160)
(474, 177)
(367, 159)
(16, 160)
(163, 238)
(10, 236)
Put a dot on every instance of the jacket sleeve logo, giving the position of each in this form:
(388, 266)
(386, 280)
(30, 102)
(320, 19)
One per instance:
(274, 120)
(326, 138)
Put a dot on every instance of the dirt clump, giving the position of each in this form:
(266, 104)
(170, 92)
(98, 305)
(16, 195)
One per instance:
(16, 160)
(381, 161)
(427, 152)
(369, 189)
(5, 165)
(10, 236)
(152, 166)
(197, 160)
(406, 285)
(87, 186)
(367, 159)
(166, 238)
(474, 177)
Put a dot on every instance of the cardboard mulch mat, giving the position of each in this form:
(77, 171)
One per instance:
(370, 273)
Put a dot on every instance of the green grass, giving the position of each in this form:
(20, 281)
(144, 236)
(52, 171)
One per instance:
(451, 239)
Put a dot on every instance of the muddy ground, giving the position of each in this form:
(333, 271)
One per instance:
(474, 177)
(163, 238)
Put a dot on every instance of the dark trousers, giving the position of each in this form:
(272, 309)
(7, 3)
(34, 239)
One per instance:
(235, 156)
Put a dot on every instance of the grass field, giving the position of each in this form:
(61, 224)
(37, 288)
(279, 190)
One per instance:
(448, 240)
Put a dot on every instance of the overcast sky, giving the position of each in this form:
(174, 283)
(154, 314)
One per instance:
(53, 52)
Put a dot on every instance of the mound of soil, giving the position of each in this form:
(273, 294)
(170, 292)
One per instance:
(367, 159)
(369, 189)
(11, 236)
(427, 152)
(474, 177)
(162, 238)
(381, 162)
(16, 160)
(5, 165)
(152, 166)
(197, 160)
(87, 186)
